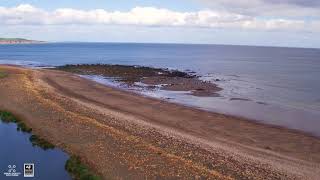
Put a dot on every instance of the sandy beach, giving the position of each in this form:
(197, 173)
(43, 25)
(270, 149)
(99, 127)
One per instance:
(122, 135)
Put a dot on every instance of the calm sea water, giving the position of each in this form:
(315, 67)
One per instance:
(282, 85)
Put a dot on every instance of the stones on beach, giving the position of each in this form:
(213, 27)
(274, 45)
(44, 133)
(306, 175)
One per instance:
(262, 103)
(152, 78)
(239, 99)
(268, 147)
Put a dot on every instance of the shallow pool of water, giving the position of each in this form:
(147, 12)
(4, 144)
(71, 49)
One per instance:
(16, 149)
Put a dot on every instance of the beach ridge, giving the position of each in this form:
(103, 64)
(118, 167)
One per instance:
(124, 135)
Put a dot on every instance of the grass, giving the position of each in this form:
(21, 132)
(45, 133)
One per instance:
(37, 141)
(78, 170)
(3, 74)
(8, 117)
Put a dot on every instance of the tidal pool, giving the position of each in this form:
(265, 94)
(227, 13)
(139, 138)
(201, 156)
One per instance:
(16, 149)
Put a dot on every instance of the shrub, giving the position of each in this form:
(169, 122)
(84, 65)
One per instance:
(78, 170)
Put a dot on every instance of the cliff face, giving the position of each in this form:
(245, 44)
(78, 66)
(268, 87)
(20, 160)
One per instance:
(17, 41)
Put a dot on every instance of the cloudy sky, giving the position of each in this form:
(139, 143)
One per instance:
(248, 22)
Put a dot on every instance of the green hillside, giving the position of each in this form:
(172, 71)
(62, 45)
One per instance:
(13, 39)
(17, 41)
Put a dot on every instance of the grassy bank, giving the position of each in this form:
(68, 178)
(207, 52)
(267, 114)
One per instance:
(74, 166)
(3, 74)
(7, 117)
(78, 170)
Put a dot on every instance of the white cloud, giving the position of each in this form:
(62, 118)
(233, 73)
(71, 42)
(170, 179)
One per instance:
(149, 16)
(286, 8)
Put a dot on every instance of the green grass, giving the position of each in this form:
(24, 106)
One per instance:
(78, 170)
(8, 117)
(37, 141)
(12, 39)
(3, 74)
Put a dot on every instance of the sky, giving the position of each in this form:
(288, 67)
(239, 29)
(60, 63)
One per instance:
(290, 23)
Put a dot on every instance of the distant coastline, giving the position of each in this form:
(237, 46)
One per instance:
(18, 41)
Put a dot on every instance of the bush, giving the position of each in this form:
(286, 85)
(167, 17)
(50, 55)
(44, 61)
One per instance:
(78, 170)
(37, 141)
(8, 117)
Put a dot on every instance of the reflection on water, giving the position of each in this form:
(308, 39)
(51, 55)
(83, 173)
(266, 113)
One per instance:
(16, 149)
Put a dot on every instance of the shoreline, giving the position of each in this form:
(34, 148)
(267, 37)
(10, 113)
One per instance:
(73, 164)
(11, 41)
(150, 78)
(242, 118)
(142, 80)
(176, 140)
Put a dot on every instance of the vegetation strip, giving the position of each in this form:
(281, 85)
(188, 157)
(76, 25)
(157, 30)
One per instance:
(78, 170)
(8, 117)
(3, 74)
(17, 41)
(74, 166)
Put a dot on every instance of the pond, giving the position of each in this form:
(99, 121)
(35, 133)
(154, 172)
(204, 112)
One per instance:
(16, 149)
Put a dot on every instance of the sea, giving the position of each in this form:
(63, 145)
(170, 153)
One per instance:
(272, 85)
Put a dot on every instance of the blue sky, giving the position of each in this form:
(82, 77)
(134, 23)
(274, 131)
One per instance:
(259, 22)
(183, 5)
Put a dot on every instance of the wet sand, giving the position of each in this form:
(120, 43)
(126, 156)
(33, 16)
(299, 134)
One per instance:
(122, 135)
(151, 78)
